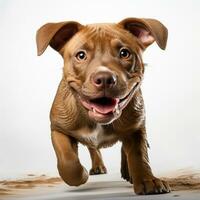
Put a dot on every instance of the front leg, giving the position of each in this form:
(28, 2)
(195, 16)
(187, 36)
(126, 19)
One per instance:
(135, 148)
(69, 166)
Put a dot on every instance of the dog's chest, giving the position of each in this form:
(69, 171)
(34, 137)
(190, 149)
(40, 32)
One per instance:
(96, 137)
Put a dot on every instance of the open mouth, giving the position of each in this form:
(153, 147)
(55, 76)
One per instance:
(102, 105)
(105, 109)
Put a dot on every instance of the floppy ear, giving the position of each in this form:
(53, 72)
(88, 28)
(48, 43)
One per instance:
(147, 31)
(55, 35)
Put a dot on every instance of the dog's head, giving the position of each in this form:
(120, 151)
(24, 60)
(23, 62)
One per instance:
(102, 62)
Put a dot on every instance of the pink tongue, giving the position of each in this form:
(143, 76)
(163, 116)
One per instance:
(104, 109)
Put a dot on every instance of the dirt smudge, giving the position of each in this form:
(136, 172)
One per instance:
(185, 182)
(9, 187)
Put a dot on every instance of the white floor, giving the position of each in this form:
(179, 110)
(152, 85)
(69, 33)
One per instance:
(101, 187)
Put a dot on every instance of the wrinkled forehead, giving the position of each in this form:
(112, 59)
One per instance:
(101, 36)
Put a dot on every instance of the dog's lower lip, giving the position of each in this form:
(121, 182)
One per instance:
(123, 101)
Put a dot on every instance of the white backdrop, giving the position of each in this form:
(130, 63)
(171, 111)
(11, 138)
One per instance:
(28, 83)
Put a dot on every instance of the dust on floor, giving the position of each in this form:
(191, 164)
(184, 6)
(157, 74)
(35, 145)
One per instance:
(178, 181)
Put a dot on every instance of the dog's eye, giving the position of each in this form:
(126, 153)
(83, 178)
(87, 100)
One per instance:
(81, 55)
(124, 53)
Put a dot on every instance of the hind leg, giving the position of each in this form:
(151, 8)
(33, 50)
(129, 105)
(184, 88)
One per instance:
(124, 167)
(97, 162)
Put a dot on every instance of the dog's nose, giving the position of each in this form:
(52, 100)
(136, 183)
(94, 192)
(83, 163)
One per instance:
(104, 79)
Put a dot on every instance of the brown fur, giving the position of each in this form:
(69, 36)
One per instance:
(71, 122)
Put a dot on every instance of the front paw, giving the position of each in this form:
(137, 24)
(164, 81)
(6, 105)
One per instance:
(101, 169)
(151, 186)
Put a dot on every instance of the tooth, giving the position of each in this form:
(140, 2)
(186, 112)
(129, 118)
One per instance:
(117, 109)
(93, 110)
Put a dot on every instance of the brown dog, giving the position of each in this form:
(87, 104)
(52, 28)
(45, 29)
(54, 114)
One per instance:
(99, 100)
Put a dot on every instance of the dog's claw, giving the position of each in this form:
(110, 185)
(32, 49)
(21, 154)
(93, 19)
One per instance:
(126, 177)
(98, 170)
